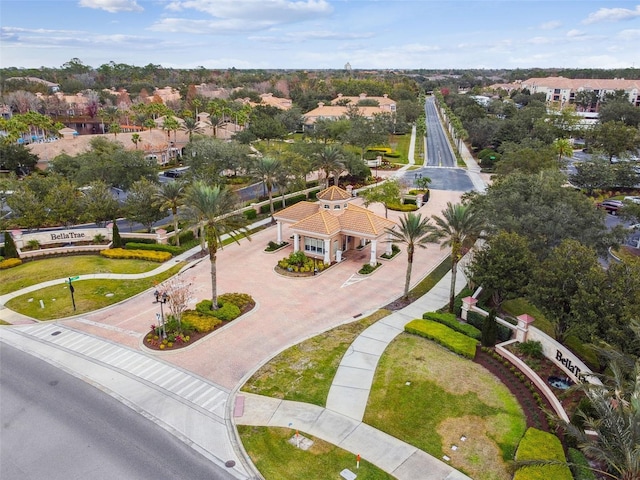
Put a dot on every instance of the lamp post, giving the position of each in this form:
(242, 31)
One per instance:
(162, 298)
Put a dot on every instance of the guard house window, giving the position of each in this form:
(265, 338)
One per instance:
(326, 207)
(313, 245)
(336, 207)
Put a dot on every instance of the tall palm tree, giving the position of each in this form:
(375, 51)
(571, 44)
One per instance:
(563, 148)
(190, 126)
(170, 195)
(211, 206)
(330, 160)
(135, 138)
(459, 227)
(414, 232)
(268, 168)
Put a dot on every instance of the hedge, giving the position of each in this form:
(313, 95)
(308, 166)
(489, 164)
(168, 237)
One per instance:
(9, 263)
(159, 247)
(153, 256)
(445, 336)
(450, 320)
(138, 240)
(226, 312)
(539, 445)
(476, 320)
(580, 465)
(398, 207)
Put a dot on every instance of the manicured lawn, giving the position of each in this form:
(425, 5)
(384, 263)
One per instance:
(447, 397)
(305, 371)
(400, 143)
(89, 295)
(38, 271)
(277, 459)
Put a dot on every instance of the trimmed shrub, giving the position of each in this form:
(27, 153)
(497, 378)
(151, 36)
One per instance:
(295, 199)
(116, 241)
(367, 268)
(489, 330)
(241, 300)
(445, 336)
(398, 207)
(148, 241)
(539, 445)
(152, 256)
(154, 247)
(580, 465)
(10, 250)
(250, 214)
(9, 263)
(475, 319)
(450, 320)
(199, 322)
(227, 312)
(273, 246)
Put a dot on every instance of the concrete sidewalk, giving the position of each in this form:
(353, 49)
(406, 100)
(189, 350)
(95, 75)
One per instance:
(403, 461)
(349, 391)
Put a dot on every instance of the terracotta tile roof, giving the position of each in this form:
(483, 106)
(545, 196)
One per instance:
(582, 83)
(383, 101)
(297, 212)
(333, 193)
(334, 112)
(361, 221)
(322, 223)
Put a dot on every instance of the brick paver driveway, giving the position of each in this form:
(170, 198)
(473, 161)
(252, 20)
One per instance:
(288, 310)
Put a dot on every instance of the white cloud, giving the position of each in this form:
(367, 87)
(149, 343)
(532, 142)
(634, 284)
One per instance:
(575, 33)
(540, 40)
(113, 6)
(270, 11)
(630, 34)
(612, 15)
(552, 25)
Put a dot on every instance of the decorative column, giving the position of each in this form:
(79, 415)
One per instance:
(327, 251)
(373, 261)
(419, 199)
(279, 230)
(296, 242)
(467, 304)
(389, 250)
(524, 321)
(162, 237)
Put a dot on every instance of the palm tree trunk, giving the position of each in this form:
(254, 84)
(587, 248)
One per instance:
(407, 278)
(452, 289)
(211, 241)
(174, 213)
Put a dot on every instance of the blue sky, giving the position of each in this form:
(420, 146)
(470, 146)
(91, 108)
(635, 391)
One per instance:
(403, 34)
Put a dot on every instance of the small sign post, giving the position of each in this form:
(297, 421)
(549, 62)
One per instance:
(71, 289)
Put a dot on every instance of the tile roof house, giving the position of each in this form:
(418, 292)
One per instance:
(560, 89)
(339, 108)
(328, 228)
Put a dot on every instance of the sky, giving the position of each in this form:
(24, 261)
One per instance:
(322, 34)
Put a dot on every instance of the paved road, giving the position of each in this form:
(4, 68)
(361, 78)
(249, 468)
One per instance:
(438, 150)
(57, 426)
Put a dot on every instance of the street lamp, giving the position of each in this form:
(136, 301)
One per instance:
(162, 298)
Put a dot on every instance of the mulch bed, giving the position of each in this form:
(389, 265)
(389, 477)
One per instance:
(193, 337)
(535, 416)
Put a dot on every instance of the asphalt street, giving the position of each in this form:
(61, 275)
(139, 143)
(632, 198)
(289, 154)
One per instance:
(57, 426)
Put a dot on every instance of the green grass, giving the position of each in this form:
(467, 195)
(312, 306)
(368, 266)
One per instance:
(402, 143)
(38, 271)
(448, 397)
(304, 372)
(89, 295)
(277, 459)
(430, 281)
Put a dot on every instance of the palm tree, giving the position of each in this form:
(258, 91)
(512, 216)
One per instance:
(563, 148)
(135, 138)
(191, 126)
(414, 231)
(460, 227)
(330, 159)
(267, 169)
(170, 196)
(211, 206)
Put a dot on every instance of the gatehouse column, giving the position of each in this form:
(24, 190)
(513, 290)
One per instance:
(373, 261)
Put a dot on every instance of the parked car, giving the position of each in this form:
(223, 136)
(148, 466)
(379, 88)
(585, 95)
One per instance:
(611, 206)
(176, 172)
(634, 199)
